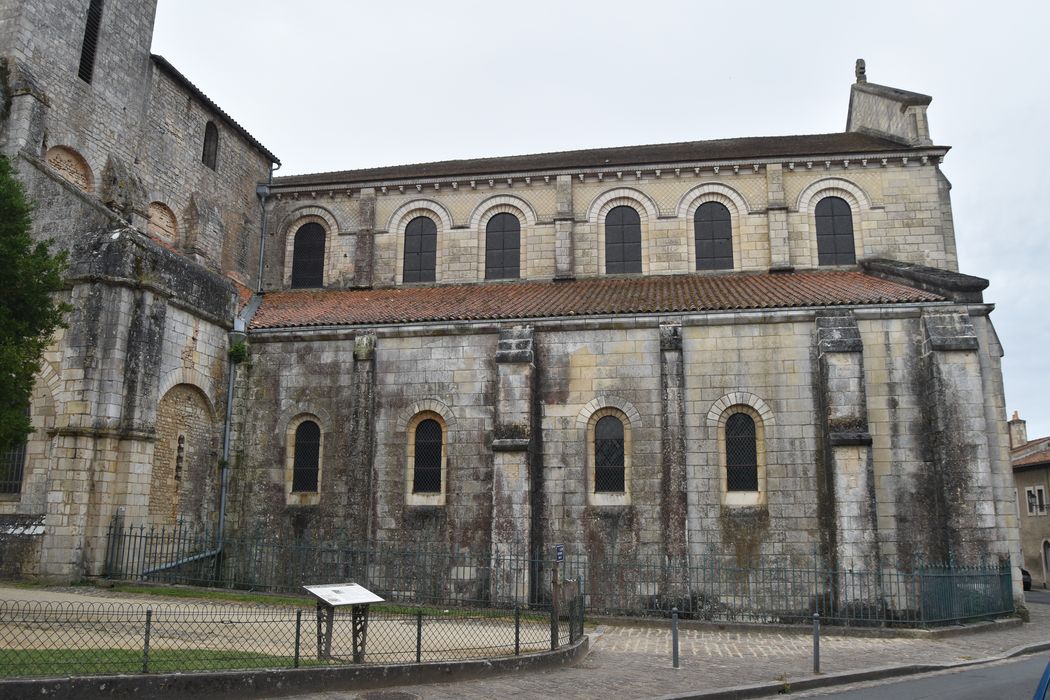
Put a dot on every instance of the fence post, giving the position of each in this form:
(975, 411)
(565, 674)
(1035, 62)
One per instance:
(554, 608)
(419, 635)
(298, 634)
(517, 630)
(145, 642)
(674, 638)
(816, 642)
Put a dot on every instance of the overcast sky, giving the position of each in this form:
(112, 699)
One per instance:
(340, 85)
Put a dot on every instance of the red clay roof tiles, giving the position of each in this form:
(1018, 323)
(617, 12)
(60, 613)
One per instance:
(585, 297)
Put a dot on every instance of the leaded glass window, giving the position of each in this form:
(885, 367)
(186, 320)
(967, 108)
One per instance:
(426, 472)
(835, 232)
(308, 256)
(420, 250)
(609, 455)
(503, 247)
(713, 229)
(623, 241)
(306, 466)
(741, 453)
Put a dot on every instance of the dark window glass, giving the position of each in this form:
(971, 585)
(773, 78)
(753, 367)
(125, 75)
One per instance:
(426, 473)
(834, 232)
(308, 256)
(623, 241)
(90, 45)
(503, 247)
(608, 455)
(420, 250)
(211, 145)
(12, 466)
(741, 453)
(713, 229)
(307, 454)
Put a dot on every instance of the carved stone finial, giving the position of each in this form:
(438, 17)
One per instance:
(862, 76)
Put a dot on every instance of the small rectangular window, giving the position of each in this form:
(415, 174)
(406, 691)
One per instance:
(90, 45)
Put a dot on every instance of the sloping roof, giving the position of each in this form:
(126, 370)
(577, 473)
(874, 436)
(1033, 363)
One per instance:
(585, 297)
(1031, 453)
(178, 77)
(626, 156)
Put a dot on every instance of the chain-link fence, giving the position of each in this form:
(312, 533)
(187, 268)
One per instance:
(71, 639)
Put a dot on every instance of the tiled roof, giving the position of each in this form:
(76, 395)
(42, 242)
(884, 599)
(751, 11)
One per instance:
(658, 154)
(178, 77)
(1029, 458)
(585, 297)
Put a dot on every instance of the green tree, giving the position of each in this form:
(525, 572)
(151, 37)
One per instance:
(29, 314)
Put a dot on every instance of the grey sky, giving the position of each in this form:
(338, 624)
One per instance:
(340, 85)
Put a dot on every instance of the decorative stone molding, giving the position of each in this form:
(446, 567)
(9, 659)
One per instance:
(600, 402)
(502, 204)
(409, 210)
(712, 192)
(832, 187)
(186, 375)
(426, 406)
(622, 195)
(297, 217)
(718, 414)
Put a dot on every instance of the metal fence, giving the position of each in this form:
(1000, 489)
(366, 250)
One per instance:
(703, 588)
(64, 639)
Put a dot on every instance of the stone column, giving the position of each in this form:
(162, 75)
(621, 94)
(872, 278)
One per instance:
(672, 384)
(564, 249)
(511, 485)
(362, 436)
(364, 250)
(776, 213)
(849, 480)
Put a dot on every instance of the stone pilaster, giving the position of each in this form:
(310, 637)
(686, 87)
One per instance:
(672, 384)
(512, 436)
(564, 248)
(849, 480)
(776, 212)
(364, 250)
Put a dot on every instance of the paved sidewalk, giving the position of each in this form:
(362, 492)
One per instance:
(635, 662)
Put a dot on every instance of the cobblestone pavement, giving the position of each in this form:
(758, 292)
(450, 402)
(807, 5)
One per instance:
(635, 662)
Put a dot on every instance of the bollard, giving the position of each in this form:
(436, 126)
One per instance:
(674, 638)
(298, 634)
(517, 630)
(419, 635)
(816, 642)
(145, 642)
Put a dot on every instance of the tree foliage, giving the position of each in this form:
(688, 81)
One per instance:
(29, 313)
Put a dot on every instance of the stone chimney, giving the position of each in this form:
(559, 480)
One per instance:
(887, 112)
(1018, 432)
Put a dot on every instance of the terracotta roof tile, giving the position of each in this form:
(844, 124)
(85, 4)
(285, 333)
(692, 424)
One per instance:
(586, 297)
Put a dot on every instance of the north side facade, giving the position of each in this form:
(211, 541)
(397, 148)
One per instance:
(757, 349)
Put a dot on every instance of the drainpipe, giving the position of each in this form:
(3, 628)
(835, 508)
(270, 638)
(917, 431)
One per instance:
(263, 191)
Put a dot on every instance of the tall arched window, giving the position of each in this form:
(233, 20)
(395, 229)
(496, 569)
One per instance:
(308, 256)
(211, 145)
(426, 471)
(12, 466)
(306, 466)
(835, 232)
(741, 453)
(90, 44)
(623, 241)
(420, 250)
(503, 247)
(713, 229)
(609, 455)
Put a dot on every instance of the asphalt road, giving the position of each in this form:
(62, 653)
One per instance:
(1038, 596)
(1015, 679)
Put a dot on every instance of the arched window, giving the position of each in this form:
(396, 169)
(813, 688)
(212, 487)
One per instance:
(420, 250)
(426, 469)
(306, 467)
(741, 453)
(713, 229)
(211, 145)
(90, 43)
(835, 232)
(308, 256)
(623, 241)
(609, 455)
(503, 247)
(12, 466)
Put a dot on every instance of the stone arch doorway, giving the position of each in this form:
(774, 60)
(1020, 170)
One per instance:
(184, 483)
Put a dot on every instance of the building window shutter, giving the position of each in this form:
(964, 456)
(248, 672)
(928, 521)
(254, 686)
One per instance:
(90, 45)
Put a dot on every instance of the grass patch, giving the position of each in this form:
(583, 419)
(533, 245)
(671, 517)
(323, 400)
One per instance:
(210, 594)
(82, 662)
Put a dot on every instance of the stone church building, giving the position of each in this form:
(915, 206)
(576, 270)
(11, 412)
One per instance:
(757, 348)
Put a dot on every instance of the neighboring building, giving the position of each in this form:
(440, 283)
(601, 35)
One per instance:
(1031, 464)
(758, 349)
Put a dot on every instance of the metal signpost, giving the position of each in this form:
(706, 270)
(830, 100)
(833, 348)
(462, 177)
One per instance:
(337, 595)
